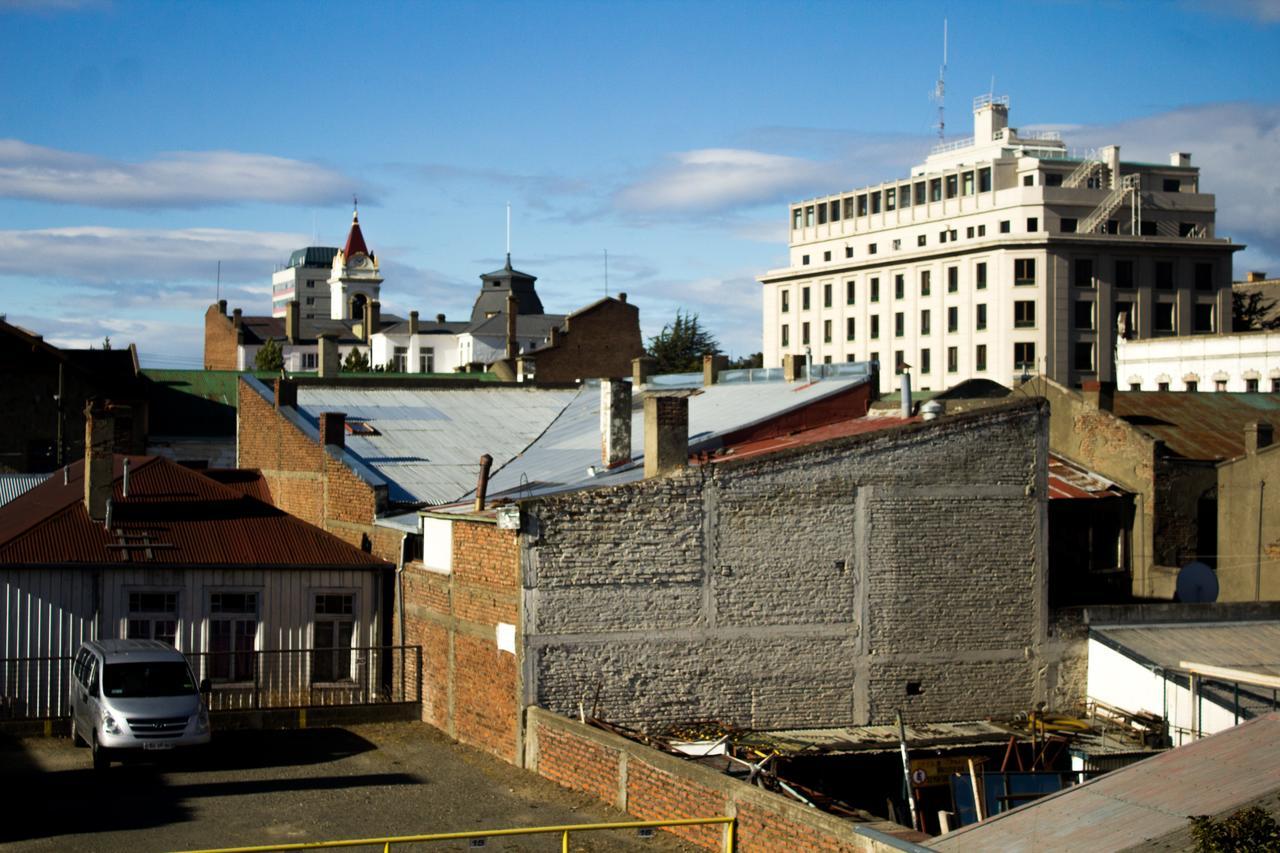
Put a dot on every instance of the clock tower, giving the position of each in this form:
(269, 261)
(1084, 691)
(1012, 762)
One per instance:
(354, 279)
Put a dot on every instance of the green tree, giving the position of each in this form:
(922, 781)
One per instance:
(1251, 829)
(1249, 312)
(747, 361)
(270, 356)
(106, 342)
(680, 346)
(356, 361)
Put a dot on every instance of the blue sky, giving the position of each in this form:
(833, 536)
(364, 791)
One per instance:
(142, 143)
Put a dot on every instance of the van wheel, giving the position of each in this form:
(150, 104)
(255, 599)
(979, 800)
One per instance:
(75, 734)
(101, 759)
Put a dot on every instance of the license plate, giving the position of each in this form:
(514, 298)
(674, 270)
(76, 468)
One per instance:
(149, 745)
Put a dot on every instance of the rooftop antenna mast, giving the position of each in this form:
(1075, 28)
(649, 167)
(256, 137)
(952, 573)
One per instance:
(508, 233)
(606, 272)
(219, 285)
(940, 88)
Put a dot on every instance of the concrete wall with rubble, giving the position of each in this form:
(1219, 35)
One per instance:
(825, 585)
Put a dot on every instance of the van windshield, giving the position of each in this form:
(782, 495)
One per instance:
(159, 678)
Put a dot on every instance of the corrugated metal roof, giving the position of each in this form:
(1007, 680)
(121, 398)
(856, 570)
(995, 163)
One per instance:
(430, 439)
(12, 485)
(1068, 480)
(859, 739)
(1144, 802)
(1197, 424)
(188, 518)
(1252, 646)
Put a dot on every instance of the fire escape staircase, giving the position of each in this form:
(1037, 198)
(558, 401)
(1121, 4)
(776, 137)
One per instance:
(1085, 172)
(1128, 190)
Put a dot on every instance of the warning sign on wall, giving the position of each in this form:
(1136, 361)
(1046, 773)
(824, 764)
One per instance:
(935, 771)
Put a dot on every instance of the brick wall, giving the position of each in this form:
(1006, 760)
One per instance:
(471, 687)
(600, 342)
(806, 588)
(650, 785)
(220, 341)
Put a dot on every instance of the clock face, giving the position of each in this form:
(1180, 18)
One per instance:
(360, 261)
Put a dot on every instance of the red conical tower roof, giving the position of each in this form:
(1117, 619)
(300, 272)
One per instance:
(355, 239)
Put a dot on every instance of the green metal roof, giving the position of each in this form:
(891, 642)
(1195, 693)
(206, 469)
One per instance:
(313, 256)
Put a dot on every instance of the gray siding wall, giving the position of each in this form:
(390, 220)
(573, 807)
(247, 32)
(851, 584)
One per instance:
(806, 588)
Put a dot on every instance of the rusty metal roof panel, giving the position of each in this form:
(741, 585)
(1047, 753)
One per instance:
(1197, 424)
(12, 485)
(1145, 802)
(1069, 480)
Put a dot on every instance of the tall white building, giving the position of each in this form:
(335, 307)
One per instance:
(306, 281)
(1002, 255)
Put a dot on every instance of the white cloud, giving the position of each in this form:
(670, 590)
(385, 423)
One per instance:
(173, 179)
(1262, 11)
(715, 179)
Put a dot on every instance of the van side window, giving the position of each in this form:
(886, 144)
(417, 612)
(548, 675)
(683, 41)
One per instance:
(91, 679)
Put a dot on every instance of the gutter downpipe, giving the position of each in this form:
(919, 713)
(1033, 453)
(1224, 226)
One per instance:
(1257, 571)
(404, 543)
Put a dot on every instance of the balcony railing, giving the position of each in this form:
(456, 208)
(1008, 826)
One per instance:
(38, 688)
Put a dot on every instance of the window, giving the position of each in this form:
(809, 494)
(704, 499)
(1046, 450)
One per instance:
(400, 360)
(953, 318)
(786, 335)
(1033, 224)
(1172, 185)
(980, 357)
(1164, 275)
(1084, 356)
(1162, 386)
(1067, 225)
(848, 208)
(1193, 385)
(850, 293)
(826, 296)
(899, 361)
(826, 359)
(942, 236)
(1275, 385)
(1024, 314)
(808, 216)
(904, 195)
(1163, 316)
(311, 300)
(1024, 271)
(966, 183)
(804, 299)
(875, 327)
(426, 360)
(1204, 276)
(848, 251)
(1251, 386)
(984, 180)
(1203, 319)
(1082, 272)
(924, 322)
(890, 199)
(804, 260)
(826, 257)
(926, 282)
(899, 324)
(1135, 386)
(1186, 229)
(871, 248)
(924, 361)
(1053, 179)
(952, 184)
(899, 286)
(1124, 317)
(875, 202)
(849, 329)
(1004, 226)
(953, 279)
(875, 290)
(982, 230)
(874, 358)
(233, 634)
(1148, 228)
(309, 360)
(795, 218)
(980, 275)
(1024, 356)
(1220, 385)
(922, 240)
(1084, 314)
(897, 244)
(935, 189)
(1028, 180)
(835, 210)
(1124, 273)
(826, 331)
(920, 192)
(332, 633)
(786, 301)
(862, 205)
(980, 315)
(153, 616)
(804, 333)
(953, 359)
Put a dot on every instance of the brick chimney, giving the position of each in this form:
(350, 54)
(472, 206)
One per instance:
(222, 307)
(413, 322)
(333, 429)
(615, 422)
(286, 393)
(666, 434)
(1258, 435)
(512, 307)
(330, 362)
(622, 297)
(792, 367)
(439, 318)
(1255, 275)
(1099, 395)
(99, 466)
(236, 319)
(711, 367)
(641, 369)
(292, 322)
(372, 319)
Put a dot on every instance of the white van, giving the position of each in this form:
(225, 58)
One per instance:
(134, 695)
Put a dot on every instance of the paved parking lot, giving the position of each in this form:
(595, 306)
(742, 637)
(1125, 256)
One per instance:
(263, 787)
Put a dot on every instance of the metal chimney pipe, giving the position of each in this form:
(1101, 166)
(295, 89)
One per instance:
(124, 488)
(906, 394)
(482, 484)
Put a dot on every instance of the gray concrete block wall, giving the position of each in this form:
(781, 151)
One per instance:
(804, 588)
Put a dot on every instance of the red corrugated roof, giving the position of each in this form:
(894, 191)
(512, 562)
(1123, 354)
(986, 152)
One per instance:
(191, 519)
(1068, 480)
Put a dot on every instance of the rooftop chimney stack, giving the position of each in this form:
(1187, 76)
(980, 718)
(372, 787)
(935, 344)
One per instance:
(711, 367)
(622, 297)
(615, 422)
(1255, 275)
(286, 393)
(1180, 158)
(512, 307)
(641, 369)
(906, 393)
(413, 322)
(1099, 395)
(99, 468)
(666, 434)
(236, 318)
(292, 322)
(439, 318)
(792, 367)
(222, 307)
(330, 363)
(482, 483)
(333, 429)
(1258, 435)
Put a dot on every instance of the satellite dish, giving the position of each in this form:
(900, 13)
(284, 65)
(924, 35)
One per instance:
(1197, 583)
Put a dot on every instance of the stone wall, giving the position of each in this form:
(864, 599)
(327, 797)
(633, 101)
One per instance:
(821, 586)
(1249, 527)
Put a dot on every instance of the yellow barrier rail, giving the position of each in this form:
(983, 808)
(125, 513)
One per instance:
(729, 823)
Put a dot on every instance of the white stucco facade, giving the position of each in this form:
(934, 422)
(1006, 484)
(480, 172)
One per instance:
(1240, 362)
